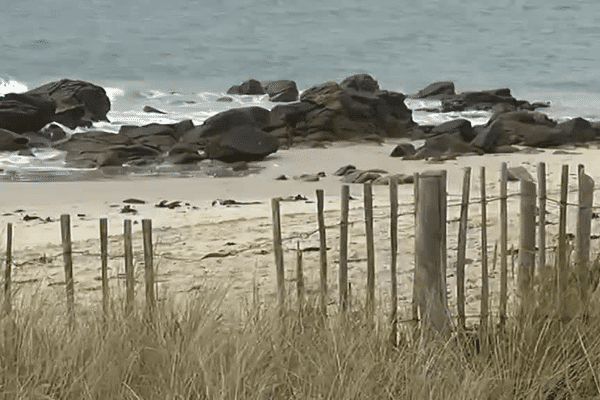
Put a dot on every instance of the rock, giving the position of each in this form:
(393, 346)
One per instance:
(10, 141)
(578, 130)
(359, 176)
(249, 87)
(78, 103)
(444, 146)
(133, 201)
(360, 82)
(344, 170)
(255, 117)
(244, 143)
(403, 149)
(159, 136)
(239, 166)
(281, 91)
(224, 99)
(84, 154)
(461, 126)
(281, 178)
(436, 91)
(149, 109)
(484, 100)
(127, 209)
(54, 132)
(21, 113)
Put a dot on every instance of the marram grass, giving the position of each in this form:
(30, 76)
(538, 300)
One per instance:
(197, 351)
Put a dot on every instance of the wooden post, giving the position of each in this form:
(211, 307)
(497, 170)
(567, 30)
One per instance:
(462, 249)
(503, 243)
(562, 272)
(104, 264)
(430, 226)
(368, 203)
(8, 270)
(322, 250)
(394, 255)
(415, 306)
(65, 230)
(485, 290)
(299, 278)
(527, 245)
(278, 252)
(584, 224)
(148, 267)
(344, 249)
(543, 268)
(129, 273)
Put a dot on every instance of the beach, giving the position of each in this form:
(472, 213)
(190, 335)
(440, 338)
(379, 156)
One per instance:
(203, 244)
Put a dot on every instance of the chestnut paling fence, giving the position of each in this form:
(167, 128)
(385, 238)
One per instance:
(429, 298)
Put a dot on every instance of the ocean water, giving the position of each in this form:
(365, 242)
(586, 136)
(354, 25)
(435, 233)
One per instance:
(182, 55)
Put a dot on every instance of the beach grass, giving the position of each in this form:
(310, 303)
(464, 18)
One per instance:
(201, 350)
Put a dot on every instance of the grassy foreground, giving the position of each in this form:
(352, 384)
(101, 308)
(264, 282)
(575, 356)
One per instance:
(197, 353)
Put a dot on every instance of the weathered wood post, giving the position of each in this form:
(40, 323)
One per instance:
(343, 277)
(129, 272)
(8, 270)
(430, 269)
(368, 204)
(462, 249)
(485, 286)
(148, 267)
(394, 254)
(584, 225)
(65, 229)
(543, 268)
(322, 250)
(104, 264)
(527, 245)
(503, 242)
(278, 252)
(562, 272)
(299, 278)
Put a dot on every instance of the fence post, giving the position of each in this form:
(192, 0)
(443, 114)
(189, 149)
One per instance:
(65, 229)
(503, 242)
(129, 273)
(148, 267)
(104, 264)
(527, 245)
(584, 224)
(394, 251)
(543, 268)
(431, 300)
(485, 291)
(322, 249)
(344, 249)
(462, 249)
(415, 306)
(299, 278)
(562, 272)
(368, 203)
(278, 252)
(8, 270)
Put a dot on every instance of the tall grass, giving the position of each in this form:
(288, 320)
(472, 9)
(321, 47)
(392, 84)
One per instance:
(199, 351)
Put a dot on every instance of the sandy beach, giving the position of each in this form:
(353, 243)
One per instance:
(201, 245)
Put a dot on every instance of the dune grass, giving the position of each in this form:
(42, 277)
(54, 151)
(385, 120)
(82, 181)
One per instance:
(198, 351)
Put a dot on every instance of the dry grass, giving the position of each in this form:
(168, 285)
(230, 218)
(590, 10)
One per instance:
(196, 352)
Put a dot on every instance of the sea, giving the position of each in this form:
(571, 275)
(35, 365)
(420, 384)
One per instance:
(180, 56)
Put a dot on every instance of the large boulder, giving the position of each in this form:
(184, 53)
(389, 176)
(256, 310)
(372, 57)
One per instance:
(486, 100)
(21, 113)
(360, 82)
(461, 126)
(78, 103)
(243, 143)
(282, 91)
(251, 86)
(10, 141)
(436, 91)
(444, 146)
(159, 136)
(112, 156)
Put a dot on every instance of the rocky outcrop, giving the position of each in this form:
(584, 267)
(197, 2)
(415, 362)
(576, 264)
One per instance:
(532, 129)
(25, 113)
(10, 141)
(282, 91)
(436, 91)
(403, 150)
(444, 146)
(353, 110)
(243, 143)
(249, 87)
(459, 126)
(78, 103)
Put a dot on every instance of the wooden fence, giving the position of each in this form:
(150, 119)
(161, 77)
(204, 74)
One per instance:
(429, 298)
